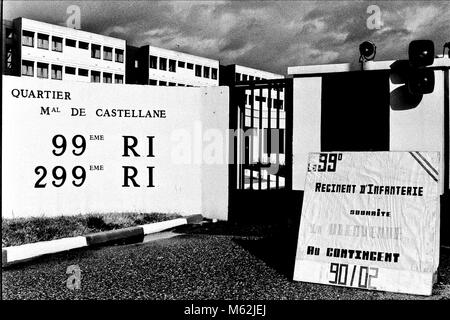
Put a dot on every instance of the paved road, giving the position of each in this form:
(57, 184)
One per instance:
(197, 265)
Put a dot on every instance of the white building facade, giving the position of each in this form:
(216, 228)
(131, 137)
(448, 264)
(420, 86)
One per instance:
(250, 74)
(162, 67)
(181, 69)
(49, 51)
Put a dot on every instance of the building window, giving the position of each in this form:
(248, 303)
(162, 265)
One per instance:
(95, 76)
(119, 55)
(70, 70)
(136, 64)
(238, 77)
(162, 83)
(190, 66)
(42, 70)
(172, 65)
(107, 53)
(277, 104)
(244, 77)
(107, 77)
(27, 38)
(118, 78)
(71, 43)
(256, 78)
(42, 41)
(95, 51)
(83, 45)
(27, 68)
(57, 44)
(56, 72)
(162, 64)
(250, 78)
(181, 64)
(172, 84)
(153, 63)
(214, 73)
(281, 135)
(206, 72)
(152, 82)
(198, 70)
(83, 72)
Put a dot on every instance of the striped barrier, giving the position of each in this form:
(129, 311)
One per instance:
(26, 252)
(127, 234)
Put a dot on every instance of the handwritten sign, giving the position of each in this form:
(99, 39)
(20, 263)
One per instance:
(370, 220)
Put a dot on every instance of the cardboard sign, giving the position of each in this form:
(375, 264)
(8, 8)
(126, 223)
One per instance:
(370, 220)
(74, 148)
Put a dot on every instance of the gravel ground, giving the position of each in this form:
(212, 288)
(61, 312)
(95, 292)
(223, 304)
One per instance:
(208, 262)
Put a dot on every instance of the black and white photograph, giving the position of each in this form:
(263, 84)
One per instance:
(225, 159)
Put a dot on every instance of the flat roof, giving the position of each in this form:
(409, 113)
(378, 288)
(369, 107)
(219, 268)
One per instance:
(180, 54)
(66, 30)
(267, 74)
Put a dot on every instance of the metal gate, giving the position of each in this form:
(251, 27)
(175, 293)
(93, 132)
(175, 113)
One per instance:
(260, 168)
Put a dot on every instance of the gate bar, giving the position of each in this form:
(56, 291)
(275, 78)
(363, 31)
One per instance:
(278, 135)
(260, 153)
(269, 134)
(250, 147)
(289, 120)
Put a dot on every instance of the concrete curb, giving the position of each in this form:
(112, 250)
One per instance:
(26, 252)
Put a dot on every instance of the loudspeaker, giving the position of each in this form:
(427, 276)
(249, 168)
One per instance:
(421, 53)
(421, 81)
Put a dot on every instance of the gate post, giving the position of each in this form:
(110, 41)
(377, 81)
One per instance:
(215, 176)
(289, 101)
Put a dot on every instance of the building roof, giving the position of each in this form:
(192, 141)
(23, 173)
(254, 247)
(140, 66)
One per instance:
(257, 72)
(63, 30)
(179, 54)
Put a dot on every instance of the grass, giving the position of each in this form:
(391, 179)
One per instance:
(20, 231)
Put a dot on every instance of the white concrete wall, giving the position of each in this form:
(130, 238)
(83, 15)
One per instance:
(421, 128)
(215, 152)
(306, 126)
(182, 185)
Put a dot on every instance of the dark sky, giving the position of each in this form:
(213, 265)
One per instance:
(270, 35)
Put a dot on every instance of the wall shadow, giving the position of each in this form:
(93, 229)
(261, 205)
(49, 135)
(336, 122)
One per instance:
(280, 208)
(277, 251)
(264, 206)
(445, 219)
(401, 98)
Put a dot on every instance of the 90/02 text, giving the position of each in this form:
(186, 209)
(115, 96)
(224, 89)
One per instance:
(359, 276)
